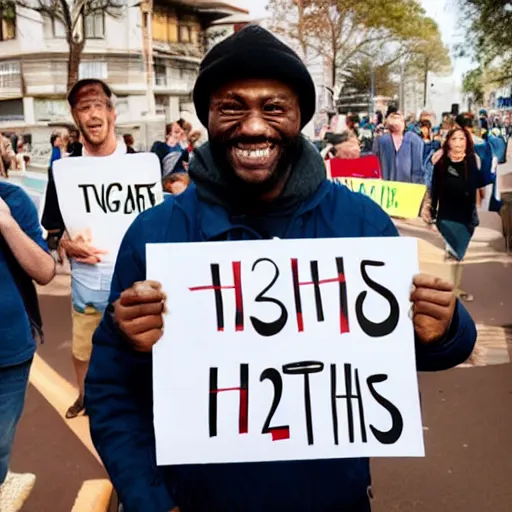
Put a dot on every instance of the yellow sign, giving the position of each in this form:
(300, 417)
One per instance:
(395, 198)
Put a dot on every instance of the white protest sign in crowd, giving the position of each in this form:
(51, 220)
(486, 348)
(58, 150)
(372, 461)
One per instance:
(101, 196)
(285, 350)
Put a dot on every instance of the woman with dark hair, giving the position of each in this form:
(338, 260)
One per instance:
(455, 181)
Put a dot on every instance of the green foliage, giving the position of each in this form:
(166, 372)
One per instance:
(429, 54)
(346, 31)
(7, 10)
(473, 83)
(357, 79)
(488, 41)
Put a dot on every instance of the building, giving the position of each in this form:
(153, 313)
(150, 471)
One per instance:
(34, 57)
(225, 27)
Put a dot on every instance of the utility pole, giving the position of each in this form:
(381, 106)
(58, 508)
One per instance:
(425, 83)
(372, 91)
(147, 52)
(402, 86)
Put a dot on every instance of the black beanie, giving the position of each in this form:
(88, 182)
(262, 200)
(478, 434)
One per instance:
(253, 52)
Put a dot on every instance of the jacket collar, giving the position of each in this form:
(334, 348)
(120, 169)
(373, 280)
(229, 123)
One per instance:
(215, 221)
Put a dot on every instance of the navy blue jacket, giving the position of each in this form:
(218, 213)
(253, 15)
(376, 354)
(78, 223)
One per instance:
(119, 386)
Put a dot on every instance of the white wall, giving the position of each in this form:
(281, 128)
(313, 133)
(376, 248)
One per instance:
(442, 93)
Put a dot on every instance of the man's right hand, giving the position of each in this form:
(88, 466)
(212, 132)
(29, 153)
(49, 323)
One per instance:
(80, 250)
(139, 314)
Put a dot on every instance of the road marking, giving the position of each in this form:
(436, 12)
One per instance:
(94, 496)
(60, 393)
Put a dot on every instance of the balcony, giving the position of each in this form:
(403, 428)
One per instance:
(45, 77)
(171, 78)
(180, 87)
(10, 80)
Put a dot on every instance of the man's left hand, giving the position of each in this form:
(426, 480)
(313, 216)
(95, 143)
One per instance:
(434, 303)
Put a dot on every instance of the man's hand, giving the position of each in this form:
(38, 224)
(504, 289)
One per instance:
(139, 314)
(437, 156)
(80, 249)
(434, 305)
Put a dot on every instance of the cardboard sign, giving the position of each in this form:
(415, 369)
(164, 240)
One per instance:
(364, 167)
(101, 196)
(397, 199)
(285, 350)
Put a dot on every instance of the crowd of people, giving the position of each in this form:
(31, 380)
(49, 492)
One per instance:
(13, 154)
(256, 178)
(456, 161)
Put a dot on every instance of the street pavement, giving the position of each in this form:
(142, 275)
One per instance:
(467, 412)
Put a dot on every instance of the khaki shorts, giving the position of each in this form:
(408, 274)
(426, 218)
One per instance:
(84, 325)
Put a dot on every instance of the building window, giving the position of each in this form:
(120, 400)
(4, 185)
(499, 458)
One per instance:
(54, 28)
(94, 25)
(50, 109)
(164, 25)
(9, 75)
(7, 21)
(160, 72)
(93, 69)
(189, 30)
(185, 34)
(122, 107)
(11, 110)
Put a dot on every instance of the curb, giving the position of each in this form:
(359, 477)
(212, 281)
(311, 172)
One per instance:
(94, 496)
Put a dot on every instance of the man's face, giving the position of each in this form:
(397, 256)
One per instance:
(254, 130)
(94, 115)
(396, 123)
(177, 131)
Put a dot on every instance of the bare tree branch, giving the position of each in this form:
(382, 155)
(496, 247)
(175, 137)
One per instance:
(72, 15)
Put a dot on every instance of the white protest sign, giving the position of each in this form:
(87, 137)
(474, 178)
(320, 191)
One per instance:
(285, 350)
(101, 196)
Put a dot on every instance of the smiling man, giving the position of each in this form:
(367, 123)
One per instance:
(92, 108)
(257, 178)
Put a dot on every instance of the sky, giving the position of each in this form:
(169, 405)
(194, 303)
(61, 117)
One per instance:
(443, 11)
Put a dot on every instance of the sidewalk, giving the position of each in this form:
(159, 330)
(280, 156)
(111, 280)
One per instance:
(45, 445)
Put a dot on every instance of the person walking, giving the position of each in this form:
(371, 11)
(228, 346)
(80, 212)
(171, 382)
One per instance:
(173, 157)
(455, 182)
(256, 178)
(24, 257)
(400, 153)
(92, 108)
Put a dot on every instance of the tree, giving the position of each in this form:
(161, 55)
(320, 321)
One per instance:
(429, 55)
(72, 14)
(357, 78)
(342, 31)
(473, 84)
(487, 24)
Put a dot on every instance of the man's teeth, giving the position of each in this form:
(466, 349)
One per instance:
(256, 153)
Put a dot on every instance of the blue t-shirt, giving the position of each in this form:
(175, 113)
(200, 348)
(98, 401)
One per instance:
(16, 342)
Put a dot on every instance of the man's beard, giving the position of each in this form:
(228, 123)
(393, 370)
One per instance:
(221, 147)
